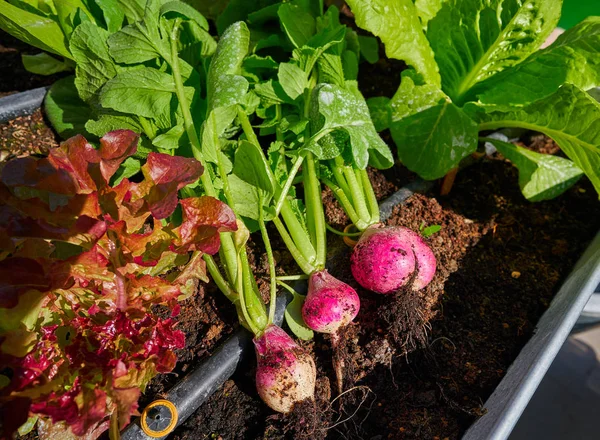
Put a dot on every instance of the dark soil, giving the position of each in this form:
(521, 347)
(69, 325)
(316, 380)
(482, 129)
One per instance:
(14, 76)
(500, 261)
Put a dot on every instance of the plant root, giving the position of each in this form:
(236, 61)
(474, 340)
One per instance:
(405, 319)
(341, 359)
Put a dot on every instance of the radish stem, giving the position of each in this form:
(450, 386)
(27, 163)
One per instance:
(271, 260)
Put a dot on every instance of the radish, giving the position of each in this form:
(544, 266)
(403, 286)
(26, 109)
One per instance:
(386, 258)
(330, 303)
(329, 306)
(285, 374)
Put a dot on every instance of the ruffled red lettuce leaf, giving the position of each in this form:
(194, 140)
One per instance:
(147, 290)
(82, 269)
(126, 400)
(168, 174)
(195, 269)
(89, 305)
(76, 157)
(55, 212)
(41, 174)
(146, 248)
(203, 219)
(115, 147)
(120, 204)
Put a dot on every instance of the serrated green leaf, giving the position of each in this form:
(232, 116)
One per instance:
(140, 41)
(474, 39)
(570, 116)
(133, 9)
(43, 64)
(294, 320)
(434, 141)
(145, 91)
(398, 26)
(331, 69)
(94, 65)
(346, 109)
(195, 44)
(573, 58)
(271, 93)
(66, 112)
(541, 176)
(70, 13)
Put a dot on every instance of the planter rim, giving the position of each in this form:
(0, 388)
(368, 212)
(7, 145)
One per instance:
(21, 104)
(510, 397)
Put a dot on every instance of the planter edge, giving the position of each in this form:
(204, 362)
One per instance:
(511, 396)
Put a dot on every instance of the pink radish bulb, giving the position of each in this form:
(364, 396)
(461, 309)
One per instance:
(385, 258)
(329, 306)
(285, 374)
(330, 303)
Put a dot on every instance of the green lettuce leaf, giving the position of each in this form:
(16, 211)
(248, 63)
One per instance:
(414, 96)
(570, 116)
(475, 39)
(427, 9)
(541, 176)
(434, 141)
(573, 58)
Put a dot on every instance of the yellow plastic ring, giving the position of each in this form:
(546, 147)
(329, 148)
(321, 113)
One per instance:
(174, 413)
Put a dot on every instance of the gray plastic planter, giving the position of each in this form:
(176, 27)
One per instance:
(505, 405)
